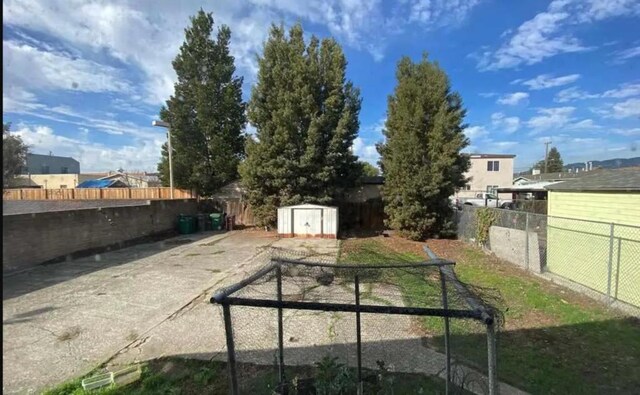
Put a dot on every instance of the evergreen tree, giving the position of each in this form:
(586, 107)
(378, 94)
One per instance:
(554, 162)
(206, 112)
(368, 169)
(421, 157)
(306, 117)
(14, 154)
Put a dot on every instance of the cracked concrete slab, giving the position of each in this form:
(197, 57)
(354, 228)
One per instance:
(62, 320)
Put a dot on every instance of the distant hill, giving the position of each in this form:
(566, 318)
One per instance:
(606, 164)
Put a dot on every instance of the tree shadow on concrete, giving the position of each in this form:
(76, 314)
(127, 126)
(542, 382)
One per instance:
(89, 261)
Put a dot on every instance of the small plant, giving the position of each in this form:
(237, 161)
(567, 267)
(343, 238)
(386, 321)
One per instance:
(485, 217)
(384, 380)
(334, 378)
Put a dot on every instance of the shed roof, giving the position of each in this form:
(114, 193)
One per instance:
(307, 205)
(625, 179)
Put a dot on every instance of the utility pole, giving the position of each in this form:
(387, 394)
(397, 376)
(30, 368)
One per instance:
(546, 155)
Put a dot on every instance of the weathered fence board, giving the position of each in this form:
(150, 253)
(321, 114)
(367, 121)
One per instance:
(96, 194)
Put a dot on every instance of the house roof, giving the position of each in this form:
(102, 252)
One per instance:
(538, 186)
(558, 176)
(375, 180)
(101, 184)
(478, 156)
(625, 179)
(306, 205)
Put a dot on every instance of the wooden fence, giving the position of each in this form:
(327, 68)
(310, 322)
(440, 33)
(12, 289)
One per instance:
(367, 215)
(96, 194)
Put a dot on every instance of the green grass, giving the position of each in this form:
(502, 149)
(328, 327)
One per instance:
(552, 341)
(185, 376)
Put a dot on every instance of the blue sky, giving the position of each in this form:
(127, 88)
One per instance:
(86, 78)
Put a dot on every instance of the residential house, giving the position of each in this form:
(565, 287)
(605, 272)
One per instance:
(487, 173)
(49, 172)
(50, 164)
(593, 231)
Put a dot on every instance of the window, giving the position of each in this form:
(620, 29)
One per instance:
(45, 169)
(64, 170)
(467, 187)
(63, 186)
(493, 165)
(492, 190)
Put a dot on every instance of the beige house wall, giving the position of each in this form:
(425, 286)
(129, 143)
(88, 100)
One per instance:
(51, 181)
(480, 177)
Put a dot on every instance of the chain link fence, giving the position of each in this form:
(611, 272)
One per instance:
(355, 328)
(604, 257)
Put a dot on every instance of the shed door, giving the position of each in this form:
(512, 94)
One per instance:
(307, 222)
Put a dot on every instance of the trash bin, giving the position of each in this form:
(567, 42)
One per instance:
(185, 224)
(203, 222)
(216, 221)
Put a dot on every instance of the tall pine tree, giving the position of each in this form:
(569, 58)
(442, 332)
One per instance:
(306, 117)
(206, 111)
(554, 162)
(421, 157)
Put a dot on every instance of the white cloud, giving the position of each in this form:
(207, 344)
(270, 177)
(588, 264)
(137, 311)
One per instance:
(627, 132)
(364, 151)
(507, 124)
(67, 115)
(513, 99)
(623, 91)
(147, 35)
(144, 154)
(545, 81)
(28, 67)
(441, 12)
(547, 34)
(571, 94)
(559, 119)
(551, 118)
(626, 109)
(474, 132)
(582, 125)
(624, 55)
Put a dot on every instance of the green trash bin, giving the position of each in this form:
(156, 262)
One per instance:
(184, 224)
(216, 221)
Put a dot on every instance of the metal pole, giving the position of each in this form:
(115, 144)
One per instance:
(358, 336)
(445, 305)
(170, 163)
(280, 330)
(231, 351)
(526, 242)
(610, 267)
(492, 360)
(546, 155)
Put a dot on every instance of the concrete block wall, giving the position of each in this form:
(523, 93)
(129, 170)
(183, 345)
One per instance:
(31, 239)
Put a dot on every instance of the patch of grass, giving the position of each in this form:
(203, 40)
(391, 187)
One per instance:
(552, 341)
(185, 376)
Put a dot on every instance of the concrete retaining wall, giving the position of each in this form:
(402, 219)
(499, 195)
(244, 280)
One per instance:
(511, 245)
(31, 239)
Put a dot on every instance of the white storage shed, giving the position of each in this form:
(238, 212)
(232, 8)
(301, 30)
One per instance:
(308, 220)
